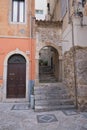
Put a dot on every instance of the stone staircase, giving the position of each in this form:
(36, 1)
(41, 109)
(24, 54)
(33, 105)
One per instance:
(52, 96)
(46, 75)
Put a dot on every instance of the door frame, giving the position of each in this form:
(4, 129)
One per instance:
(17, 51)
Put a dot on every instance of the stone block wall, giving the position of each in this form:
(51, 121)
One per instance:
(69, 71)
(81, 64)
(81, 75)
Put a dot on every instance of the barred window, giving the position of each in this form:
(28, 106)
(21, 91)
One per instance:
(39, 11)
(18, 11)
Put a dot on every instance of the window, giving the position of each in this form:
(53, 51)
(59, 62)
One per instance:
(18, 11)
(39, 11)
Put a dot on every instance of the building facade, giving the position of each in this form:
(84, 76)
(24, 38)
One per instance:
(73, 13)
(61, 36)
(17, 55)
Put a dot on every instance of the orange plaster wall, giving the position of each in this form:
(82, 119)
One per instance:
(8, 45)
(9, 28)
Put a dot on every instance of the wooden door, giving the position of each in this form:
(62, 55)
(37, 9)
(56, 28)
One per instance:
(16, 77)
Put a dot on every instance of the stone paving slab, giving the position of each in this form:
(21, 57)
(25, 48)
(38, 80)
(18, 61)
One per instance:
(84, 114)
(47, 118)
(27, 120)
(20, 107)
(70, 112)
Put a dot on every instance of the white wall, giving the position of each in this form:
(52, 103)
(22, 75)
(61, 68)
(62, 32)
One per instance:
(41, 5)
(80, 35)
(67, 39)
(80, 32)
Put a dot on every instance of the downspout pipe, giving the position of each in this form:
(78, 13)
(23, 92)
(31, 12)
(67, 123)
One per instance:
(74, 64)
(74, 54)
(30, 21)
(30, 13)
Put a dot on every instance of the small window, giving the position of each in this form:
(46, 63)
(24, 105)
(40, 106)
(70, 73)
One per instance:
(18, 11)
(39, 11)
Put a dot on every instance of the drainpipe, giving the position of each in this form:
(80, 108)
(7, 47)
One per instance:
(30, 21)
(74, 56)
(30, 13)
(74, 64)
(74, 52)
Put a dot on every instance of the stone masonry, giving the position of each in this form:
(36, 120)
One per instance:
(48, 33)
(81, 74)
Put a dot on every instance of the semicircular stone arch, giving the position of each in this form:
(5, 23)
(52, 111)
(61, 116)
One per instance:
(40, 46)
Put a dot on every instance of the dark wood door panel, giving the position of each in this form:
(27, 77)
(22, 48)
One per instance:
(11, 92)
(16, 80)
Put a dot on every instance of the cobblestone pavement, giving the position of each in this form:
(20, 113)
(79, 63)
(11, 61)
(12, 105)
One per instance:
(27, 119)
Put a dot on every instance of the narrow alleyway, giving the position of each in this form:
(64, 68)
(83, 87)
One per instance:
(46, 75)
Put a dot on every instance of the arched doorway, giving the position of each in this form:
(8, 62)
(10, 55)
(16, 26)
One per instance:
(16, 77)
(48, 65)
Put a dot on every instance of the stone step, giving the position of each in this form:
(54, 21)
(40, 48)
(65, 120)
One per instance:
(51, 87)
(52, 97)
(47, 80)
(50, 92)
(53, 102)
(50, 108)
(44, 97)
